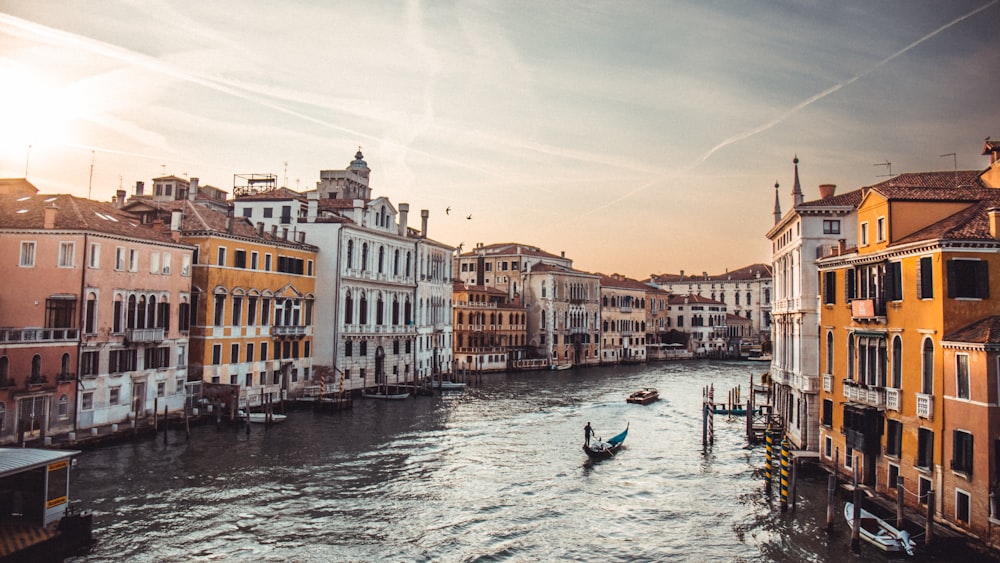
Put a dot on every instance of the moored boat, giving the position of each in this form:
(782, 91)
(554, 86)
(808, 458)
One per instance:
(445, 385)
(386, 396)
(644, 396)
(599, 449)
(560, 367)
(880, 533)
(262, 418)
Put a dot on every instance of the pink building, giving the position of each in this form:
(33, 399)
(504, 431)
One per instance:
(93, 307)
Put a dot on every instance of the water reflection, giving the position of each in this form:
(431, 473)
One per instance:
(492, 472)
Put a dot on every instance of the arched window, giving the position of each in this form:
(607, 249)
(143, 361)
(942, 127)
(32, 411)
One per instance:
(63, 407)
(364, 257)
(140, 313)
(151, 312)
(460, 317)
(395, 263)
(379, 310)
(130, 313)
(897, 362)
(408, 257)
(348, 309)
(363, 311)
(927, 370)
(36, 367)
(395, 310)
(350, 254)
(64, 367)
(407, 312)
(381, 259)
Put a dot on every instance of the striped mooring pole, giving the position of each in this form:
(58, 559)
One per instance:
(711, 413)
(784, 474)
(768, 460)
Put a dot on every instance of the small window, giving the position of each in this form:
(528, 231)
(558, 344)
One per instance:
(87, 401)
(67, 252)
(27, 255)
(962, 376)
(863, 233)
(880, 229)
(831, 226)
(962, 506)
(961, 455)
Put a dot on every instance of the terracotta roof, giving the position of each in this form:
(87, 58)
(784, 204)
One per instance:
(542, 267)
(75, 213)
(460, 286)
(983, 331)
(949, 179)
(846, 199)
(19, 186)
(619, 281)
(742, 274)
(513, 248)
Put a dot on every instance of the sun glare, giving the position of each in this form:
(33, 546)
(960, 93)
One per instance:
(36, 110)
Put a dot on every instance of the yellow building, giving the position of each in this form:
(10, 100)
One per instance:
(923, 268)
(253, 294)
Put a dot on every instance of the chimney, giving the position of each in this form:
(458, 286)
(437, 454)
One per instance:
(284, 233)
(826, 191)
(682, 273)
(229, 221)
(302, 237)
(175, 219)
(274, 231)
(138, 187)
(562, 253)
(260, 229)
(424, 214)
(404, 212)
(193, 189)
(994, 214)
(120, 197)
(841, 246)
(50, 216)
(312, 210)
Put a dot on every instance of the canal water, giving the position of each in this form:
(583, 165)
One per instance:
(494, 472)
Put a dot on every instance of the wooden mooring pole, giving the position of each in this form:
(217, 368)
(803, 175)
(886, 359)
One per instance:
(929, 526)
(831, 499)
(856, 517)
(899, 502)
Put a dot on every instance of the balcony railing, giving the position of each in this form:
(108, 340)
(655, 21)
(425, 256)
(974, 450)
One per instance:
(925, 406)
(868, 395)
(288, 330)
(28, 335)
(144, 334)
(893, 399)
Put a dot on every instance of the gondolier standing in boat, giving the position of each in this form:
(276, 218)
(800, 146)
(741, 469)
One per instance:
(587, 433)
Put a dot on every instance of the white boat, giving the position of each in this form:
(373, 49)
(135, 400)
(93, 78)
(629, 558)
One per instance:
(561, 367)
(880, 533)
(261, 418)
(386, 396)
(446, 385)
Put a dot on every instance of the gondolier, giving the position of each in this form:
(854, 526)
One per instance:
(587, 433)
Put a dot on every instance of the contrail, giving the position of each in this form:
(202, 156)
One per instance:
(788, 113)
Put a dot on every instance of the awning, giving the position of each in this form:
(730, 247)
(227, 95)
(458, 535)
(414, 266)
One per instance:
(19, 460)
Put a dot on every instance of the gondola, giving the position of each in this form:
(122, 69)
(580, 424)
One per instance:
(880, 533)
(598, 449)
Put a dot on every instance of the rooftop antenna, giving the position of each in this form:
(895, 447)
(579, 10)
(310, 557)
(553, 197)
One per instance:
(888, 165)
(27, 159)
(286, 173)
(163, 169)
(90, 182)
(954, 163)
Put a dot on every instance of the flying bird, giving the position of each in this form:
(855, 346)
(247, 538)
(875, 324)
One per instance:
(470, 216)
(448, 211)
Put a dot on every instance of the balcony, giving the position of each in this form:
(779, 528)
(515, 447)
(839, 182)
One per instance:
(867, 309)
(893, 399)
(288, 331)
(925, 406)
(142, 335)
(864, 394)
(828, 382)
(808, 383)
(29, 335)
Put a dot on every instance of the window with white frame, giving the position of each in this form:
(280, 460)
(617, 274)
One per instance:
(154, 262)
(119, 258)
(880, 229)
(863, 233)
(133, 260)
(962, 499)
(94, 259)
(27, 254)
(166, 264)
(67, 254)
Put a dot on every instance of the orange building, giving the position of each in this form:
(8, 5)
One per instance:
(490, 331)
(895, 320)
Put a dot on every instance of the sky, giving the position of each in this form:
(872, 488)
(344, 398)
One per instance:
(637, 137)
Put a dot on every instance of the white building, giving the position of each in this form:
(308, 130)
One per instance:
(806, 232)
(369, 327)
